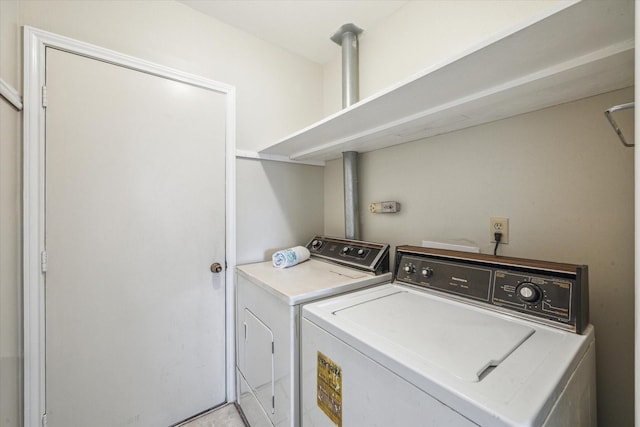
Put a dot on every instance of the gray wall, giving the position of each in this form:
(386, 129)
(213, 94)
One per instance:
(567, 186)
(560, 175)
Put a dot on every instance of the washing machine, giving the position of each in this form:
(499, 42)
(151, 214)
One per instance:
(458, 339)
(269, 302)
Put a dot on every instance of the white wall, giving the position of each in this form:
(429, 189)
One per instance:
(275, 89)
(277, 94)
(559, 174)
(279, 205)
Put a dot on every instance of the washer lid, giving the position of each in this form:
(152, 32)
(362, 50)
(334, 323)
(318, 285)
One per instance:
(465, 343)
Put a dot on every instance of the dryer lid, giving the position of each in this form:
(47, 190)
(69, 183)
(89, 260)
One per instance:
(465, 342)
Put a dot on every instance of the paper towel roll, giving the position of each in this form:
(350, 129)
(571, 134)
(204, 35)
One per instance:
(290, 257)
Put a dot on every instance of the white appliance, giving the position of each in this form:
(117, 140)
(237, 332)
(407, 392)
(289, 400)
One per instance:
(269, 303)
(459, 339)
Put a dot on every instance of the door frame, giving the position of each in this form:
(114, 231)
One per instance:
(33, 226)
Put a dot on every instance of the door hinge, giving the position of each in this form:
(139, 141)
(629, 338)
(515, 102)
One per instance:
(45, 98)
(44, 420)
(43, 261)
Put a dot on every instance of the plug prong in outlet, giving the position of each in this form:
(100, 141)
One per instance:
(500, 225)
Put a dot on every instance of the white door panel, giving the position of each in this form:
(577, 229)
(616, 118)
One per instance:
(135, 215)
(257, 362)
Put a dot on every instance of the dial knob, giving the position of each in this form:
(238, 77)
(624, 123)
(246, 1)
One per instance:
(528, 292)
(345, 249)
(360, 252)
(409, 268)
(316, 244)
(427, 271)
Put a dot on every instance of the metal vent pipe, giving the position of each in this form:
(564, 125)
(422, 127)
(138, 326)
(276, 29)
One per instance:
(347, 37)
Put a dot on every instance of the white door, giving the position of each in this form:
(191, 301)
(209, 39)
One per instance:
(135, 216)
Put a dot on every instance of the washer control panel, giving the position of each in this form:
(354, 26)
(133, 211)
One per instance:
(554, 293)
(367, 256)
(544, 295)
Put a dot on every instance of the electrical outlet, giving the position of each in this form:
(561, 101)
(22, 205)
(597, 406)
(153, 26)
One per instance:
(500, 225)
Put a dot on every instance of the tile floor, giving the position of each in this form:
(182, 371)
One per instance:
(225, 416)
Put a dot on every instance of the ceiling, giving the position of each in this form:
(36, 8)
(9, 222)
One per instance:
(302, 27)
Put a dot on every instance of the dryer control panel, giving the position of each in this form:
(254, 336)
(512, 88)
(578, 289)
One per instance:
(553, 293)
(367, 256)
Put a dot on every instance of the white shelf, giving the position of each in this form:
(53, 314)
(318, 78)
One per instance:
(10, 94)
(572, 52)
(246, 154)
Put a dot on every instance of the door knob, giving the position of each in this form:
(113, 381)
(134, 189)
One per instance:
(216, 267)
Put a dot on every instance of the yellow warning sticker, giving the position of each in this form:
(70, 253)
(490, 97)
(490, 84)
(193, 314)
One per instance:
(330, 388)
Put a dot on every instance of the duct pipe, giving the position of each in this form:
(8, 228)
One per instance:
(347, 37)
(351, 206)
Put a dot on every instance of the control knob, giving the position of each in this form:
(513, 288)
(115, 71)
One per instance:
(528, 292)
(345, 250)
(316, 244)
(427, 272)
(360, 252)
(409, 268)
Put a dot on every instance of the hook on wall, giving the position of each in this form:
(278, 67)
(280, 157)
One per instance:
(609, 114)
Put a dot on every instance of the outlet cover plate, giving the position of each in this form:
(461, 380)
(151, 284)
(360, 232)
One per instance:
(500, 225)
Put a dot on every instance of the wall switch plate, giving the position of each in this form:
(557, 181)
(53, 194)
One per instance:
(500, 225)
(384, 207)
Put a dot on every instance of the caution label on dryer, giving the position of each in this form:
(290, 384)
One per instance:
(330, 388)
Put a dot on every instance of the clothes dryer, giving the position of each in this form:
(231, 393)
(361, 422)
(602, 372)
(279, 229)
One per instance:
(269, 302)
